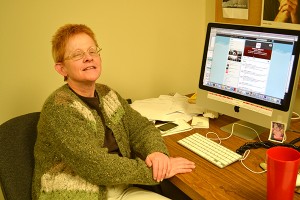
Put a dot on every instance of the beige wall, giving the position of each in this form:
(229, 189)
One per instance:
(149, 47)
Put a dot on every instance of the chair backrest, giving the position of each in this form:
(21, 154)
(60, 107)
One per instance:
(17, 139)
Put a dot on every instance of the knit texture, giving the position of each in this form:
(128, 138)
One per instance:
(70, 160)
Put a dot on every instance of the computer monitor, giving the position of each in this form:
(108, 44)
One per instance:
(250, 73)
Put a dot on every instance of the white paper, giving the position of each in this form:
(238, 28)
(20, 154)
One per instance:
(237, 9)
(167, 108)
(200, 122)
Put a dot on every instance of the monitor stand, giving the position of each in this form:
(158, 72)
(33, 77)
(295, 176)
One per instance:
(242, 131)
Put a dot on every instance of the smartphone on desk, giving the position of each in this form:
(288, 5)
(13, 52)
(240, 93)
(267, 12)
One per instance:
(167, 127)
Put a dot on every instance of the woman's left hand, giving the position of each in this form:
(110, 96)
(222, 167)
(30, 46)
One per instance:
(160, 164)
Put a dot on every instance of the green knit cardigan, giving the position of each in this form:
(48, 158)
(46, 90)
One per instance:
(70, 160)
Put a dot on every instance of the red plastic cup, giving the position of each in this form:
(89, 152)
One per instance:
(282, 169)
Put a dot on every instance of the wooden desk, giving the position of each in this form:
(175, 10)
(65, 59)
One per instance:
(232, 182)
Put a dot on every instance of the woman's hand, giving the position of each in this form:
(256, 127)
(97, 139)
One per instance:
(160, 164)
(179, 166)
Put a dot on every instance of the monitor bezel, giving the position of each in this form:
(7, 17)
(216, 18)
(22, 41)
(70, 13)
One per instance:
(286, 102)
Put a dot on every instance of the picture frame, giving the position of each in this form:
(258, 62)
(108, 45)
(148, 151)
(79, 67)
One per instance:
(277, 132)
(272, 16)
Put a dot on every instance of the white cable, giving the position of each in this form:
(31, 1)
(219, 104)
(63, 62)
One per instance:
(218, 138)
(298, 116)
(249, 128)
(247, 152)
(232, 128)
(284, 137)
(245, 155)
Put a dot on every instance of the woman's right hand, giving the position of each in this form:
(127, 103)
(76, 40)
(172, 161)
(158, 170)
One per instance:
(180, 165)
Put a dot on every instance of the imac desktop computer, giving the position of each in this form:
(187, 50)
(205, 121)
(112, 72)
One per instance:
(250, 73)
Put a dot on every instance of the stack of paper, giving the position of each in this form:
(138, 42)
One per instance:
(167, 108)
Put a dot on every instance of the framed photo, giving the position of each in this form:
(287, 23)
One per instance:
(277, 132)
(236, 9)
(281, 14)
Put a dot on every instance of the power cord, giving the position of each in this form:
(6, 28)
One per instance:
(245, 149)
(232, 130)
(245, 155)
(295, 118)
(266, 145)
(298, 116)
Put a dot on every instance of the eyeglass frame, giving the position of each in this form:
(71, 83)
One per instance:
(83, 53)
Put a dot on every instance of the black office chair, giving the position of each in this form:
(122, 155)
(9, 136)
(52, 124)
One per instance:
(17, 139)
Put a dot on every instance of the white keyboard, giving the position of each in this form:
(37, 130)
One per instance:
(210, 150)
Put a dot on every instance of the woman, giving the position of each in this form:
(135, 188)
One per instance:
(91, 144)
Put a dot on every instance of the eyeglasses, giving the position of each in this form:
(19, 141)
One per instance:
(79, 54)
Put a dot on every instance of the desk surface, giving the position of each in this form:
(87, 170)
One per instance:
(208, 181)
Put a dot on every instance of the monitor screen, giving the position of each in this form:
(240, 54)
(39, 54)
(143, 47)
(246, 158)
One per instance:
(249, 72)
